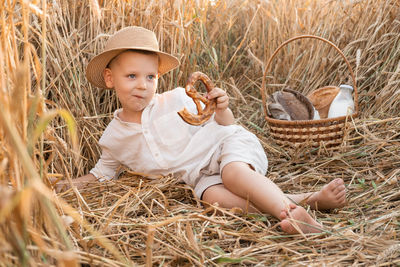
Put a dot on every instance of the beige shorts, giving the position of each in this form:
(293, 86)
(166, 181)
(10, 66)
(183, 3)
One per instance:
(243, 146)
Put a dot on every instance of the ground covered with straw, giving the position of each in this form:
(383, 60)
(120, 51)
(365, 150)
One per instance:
(51, 119)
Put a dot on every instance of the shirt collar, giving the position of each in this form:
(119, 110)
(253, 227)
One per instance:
(116, 112)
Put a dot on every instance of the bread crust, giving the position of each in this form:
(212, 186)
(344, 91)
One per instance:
(202, 115)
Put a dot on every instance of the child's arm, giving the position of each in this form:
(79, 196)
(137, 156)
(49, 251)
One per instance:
(82, 181)
(105, 169)
(79, 182)
(223, 115)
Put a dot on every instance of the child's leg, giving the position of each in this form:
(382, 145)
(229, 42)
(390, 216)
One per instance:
(332, 195)
(242, 181)
(226, 199)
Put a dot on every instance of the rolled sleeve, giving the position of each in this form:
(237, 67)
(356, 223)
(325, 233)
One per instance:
(106, 166)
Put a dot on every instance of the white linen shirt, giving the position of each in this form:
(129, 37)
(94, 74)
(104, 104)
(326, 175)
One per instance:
(163, 143)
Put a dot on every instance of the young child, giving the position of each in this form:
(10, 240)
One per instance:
(222, 161)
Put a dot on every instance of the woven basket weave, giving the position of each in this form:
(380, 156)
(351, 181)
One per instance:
(330, 131)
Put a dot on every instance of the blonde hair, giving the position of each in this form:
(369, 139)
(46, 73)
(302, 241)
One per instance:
(144, 52)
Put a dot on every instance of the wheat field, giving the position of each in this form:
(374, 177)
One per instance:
(51, 119)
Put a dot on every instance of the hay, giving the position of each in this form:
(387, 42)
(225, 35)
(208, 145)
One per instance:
(141, 221)
(162, 215)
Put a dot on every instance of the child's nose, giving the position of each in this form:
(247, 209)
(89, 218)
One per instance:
(142, 83)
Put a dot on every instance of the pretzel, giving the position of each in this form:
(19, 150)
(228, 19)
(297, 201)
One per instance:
(202, 115)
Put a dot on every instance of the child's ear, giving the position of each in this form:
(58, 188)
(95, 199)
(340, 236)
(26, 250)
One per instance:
(107, 76)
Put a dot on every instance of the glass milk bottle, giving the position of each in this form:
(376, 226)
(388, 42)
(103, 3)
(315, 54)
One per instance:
(343, 103)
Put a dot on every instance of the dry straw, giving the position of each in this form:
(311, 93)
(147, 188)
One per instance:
(51, 119)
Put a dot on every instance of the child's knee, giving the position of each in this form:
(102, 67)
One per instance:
(233, 169)
(212, 193)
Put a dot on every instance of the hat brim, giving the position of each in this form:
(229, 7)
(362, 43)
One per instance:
(96, 66)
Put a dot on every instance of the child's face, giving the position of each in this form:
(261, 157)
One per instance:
(134, 77)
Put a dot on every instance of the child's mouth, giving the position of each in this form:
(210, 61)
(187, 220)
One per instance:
(138, 96)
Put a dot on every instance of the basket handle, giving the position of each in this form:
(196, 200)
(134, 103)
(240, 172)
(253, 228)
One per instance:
(263, 85)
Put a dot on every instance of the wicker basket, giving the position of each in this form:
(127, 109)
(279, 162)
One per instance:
(329, 131)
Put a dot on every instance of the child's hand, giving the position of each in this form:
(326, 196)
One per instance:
(63, 185)
(223, 115)
(222, 98)
(58, 185)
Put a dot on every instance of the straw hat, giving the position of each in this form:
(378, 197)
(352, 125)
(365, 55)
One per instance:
(128, 38)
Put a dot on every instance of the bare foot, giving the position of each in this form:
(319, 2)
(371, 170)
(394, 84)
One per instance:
(331, 196)
(298, 220)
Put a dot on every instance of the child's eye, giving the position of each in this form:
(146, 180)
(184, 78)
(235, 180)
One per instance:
(151, 77)
(132, 76)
